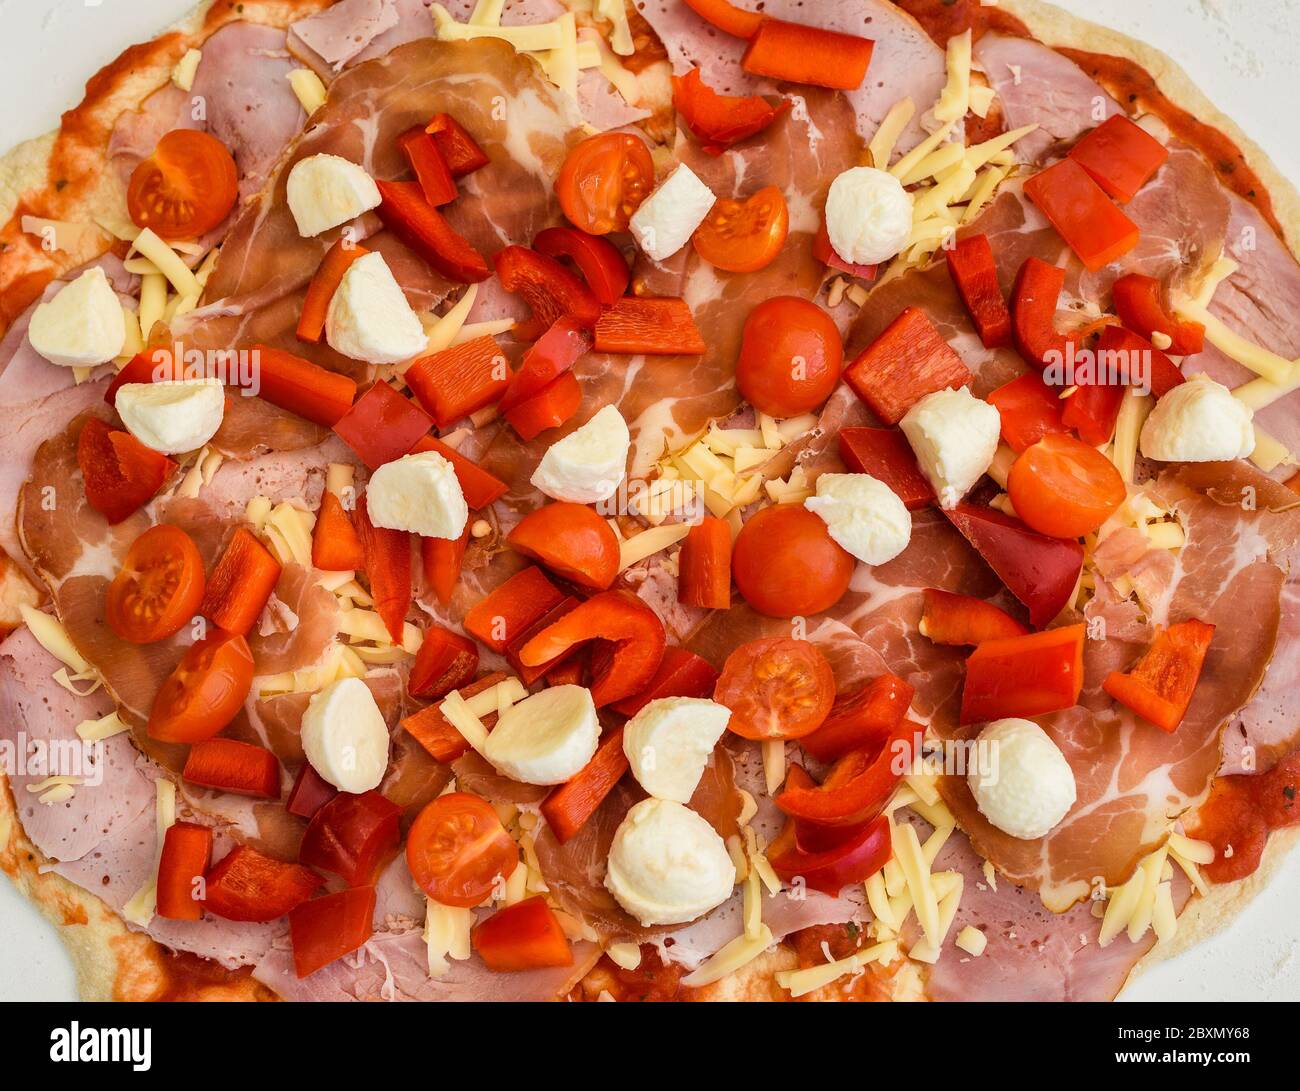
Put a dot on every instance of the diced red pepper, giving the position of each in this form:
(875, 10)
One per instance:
(335, 546)
(382, 426)
(445, 661)
(973, 271)
(186, 856)
(601, 262)
(852, 860)
(329, 927)
(572, 672)
(407, 214)
(388, 568)
(431, 170)
(460, 380)
(568, 807)
(352, 836)
(432, 730)
(649, 326)
(863, 718)
(1293, 482)
(229, 765)
(548, 408)
(513, 608)
(680, 674)
(523, 936)
(329, 275)
(1140, 304)
(1082, 214)
(554, 353)
(156, 365)
(804, 54)
(909, 360)
(1121, 157)
(704, 565)
(1126, 347)
(247, 885)
(302, 387)
(727, 17)
(479, 486)
(441, 559)
(824, 252)
(1024, 675)
(549, 289)
(310, 792)
(121, 474)
(1029, 408)
(1159, 686)
(719, 121)
(1092, 410)
(528, 675)
(885, 454)
(1033, 313)
(459, 149)
(240, 584)
(948, 618)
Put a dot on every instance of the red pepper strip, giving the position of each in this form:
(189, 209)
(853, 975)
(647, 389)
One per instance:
(460, 380)
(310, 792)
(247, 885)
(330, 927)
(973, 271)
(863, 718)
(441, 559)
(479, 486)
(572, 672)
(704, 565)
(154, 366)
(831, 869)
(335, 546)
(1121, 157)
(1160, 685)
(1024, 675)
(241, 584)
(329, 275)
(523, 936)
(680, 674)
(568, 807)
(445, 661)
(1033, 313)
(417, 223)
(718, 121)
(528, 675)
(460, 150)
(810, 837)
(382, 426)
(884, 453)
(232, 766)
(554, 353)
(1042, 572)
(388, 568)
(302, 387)
(1139, 302)
(1239, 814)
(824, 252)
(599, 260)
(120, 472)
(803, 54)
(512, 609)
(186, 855)
(431, 170)
(1092, 410)
(1126, 347)
(549, 408)
(909, 360)
(549, 289)
(352, 836)
(727, 17)
(948, 618)
(645, 325)
(633, 631)
(1030, 410)
(1082, 214)
(431, 729)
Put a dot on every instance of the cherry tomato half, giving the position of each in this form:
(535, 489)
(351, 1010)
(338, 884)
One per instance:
(205, 691)
(790, 357)
(159, 587)
(572, 541)
(776, 689)
(458, 850)
(604, 180)
(1062, 487)
(186, 188)
(786, 564)
(743, 236)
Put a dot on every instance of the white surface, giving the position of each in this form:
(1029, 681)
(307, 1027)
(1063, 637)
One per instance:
(1241, 52)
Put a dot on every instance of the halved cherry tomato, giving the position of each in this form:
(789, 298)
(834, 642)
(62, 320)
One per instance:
(790, 357)
(186, 188)
(352, 836)
(776, 689)
(604, 180)
(523, 936)
(1062, 487)
(159, 587)
(786, 564)
(205, 691)
(572, 541)
(744, 235)
(458, 850)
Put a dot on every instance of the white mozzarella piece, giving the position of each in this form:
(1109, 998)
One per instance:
(868, 215)
(954, 436)
(1021, 781)
(546, 738)
(863, 514)
(324, 191)
(173, 416)
(369, 318)
(668, 744)
(588, 465)
(1198, 421)
(82, 325)
(668, 218)
(345, 737)
(419, 493)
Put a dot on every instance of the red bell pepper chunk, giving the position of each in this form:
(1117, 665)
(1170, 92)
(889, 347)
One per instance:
(240, 584)
(433, 731)
(513, 608)
(864, 718)
(120, 472)
(1028, 675)
(441, 559)
(388, 568)
(1159, 686)
(352, 836)
(829, 870)
(1121, 157)
(550, 407)
(460, 380)
(232, 766)
(186, 856)
(460, 150)
(1082, 214)
(335, 546)
(727, 17)
(479, 486)
(572, 672)
(310, 792)
(704, 566)
(1092, 410)
(523, 936)
(632, 648)
(1030, 410)
(329, 275)
(1293, 482)
(1140, 303)
(302, 387)
(569, 805)
(601, 262)
(329, 927)
(445, 661)
(156, 365)
(948, 618)
(719, 121)
(1126, 347)
(973, 271)
(430, 169)
(528, 675)
(410, 217)
(824, 252)
(1042, 572)
(247, 885)
(649, 326)
(858, 784)
(1033, 313)
(804, 54)
(554, 353)
(382, 426)
(549, 289)
(885, 454)
(909, 360)
(680, 674)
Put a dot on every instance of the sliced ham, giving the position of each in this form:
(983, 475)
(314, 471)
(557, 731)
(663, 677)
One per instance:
(340, 32)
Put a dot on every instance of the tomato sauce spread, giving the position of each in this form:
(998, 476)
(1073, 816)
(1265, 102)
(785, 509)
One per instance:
(1240, 813)
(653, 980)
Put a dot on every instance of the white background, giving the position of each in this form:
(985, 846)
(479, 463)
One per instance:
(1241, 52)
